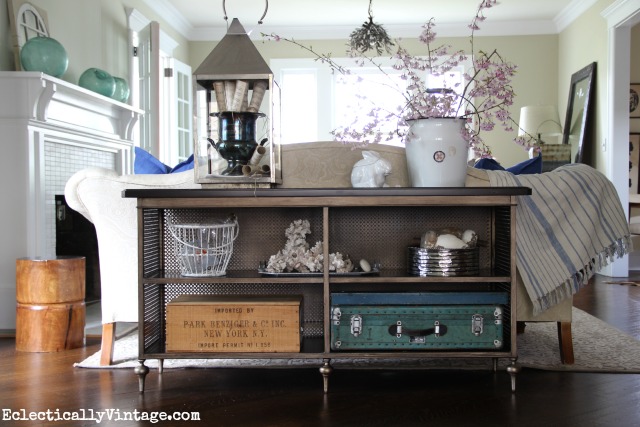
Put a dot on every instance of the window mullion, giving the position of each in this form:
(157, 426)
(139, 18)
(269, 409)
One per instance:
(326, 103)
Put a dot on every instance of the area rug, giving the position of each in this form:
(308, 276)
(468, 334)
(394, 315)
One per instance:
(598, 347)
(623, 282)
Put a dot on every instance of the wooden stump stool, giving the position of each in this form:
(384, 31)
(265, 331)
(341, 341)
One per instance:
(50, 311)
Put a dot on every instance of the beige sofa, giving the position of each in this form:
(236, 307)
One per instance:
(96, 194)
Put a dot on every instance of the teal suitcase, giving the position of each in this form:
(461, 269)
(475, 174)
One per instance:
(417, 321)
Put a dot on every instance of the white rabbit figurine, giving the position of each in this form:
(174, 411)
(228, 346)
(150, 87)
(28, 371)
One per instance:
(370, 171)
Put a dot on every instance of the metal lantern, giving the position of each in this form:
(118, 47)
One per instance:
(233, 114)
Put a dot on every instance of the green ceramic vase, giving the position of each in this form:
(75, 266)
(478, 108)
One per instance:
(122, 90)
(44, 54)
(98, 81)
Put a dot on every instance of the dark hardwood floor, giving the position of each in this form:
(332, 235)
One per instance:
(277, 397)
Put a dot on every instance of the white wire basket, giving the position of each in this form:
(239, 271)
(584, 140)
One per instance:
(204, 249)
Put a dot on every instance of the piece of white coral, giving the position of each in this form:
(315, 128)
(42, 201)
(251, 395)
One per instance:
(296, 234)
(298, 257)
(339, 264)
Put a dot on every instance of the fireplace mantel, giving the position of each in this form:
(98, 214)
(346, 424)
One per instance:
(49, 129)
(55, 103)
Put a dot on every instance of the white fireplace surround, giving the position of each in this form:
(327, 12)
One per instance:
(49, 129)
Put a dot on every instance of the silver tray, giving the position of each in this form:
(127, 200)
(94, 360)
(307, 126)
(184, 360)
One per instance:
(374, 272)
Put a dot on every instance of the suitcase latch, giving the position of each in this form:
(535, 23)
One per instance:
(336, 315)
(477, 324)
(356, 325)
(498, 315)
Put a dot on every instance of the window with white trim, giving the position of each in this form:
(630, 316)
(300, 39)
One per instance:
(314, 100)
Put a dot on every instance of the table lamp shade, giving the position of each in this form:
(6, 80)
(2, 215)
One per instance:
(539, 120)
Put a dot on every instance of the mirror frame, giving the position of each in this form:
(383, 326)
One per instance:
(579, 118)
(19, 31)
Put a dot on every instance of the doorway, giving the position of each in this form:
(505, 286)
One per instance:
(620, 16)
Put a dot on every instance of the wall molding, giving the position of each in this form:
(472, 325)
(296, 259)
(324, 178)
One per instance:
(334, 32)
(328, 32)
(137, 21)
(571, 12)
(622, 13)
(169, 13)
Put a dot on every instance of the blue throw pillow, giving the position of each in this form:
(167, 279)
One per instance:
(488, 164)
(184, 165)
(530, 166)
(145, 163)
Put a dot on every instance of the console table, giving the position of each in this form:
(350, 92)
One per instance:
(374, 224)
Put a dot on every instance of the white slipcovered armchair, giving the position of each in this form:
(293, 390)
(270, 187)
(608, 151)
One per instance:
(96, 194)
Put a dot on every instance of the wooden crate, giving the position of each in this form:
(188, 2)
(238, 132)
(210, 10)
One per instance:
(234, 324)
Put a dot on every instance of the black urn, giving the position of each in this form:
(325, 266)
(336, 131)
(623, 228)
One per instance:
(236, 139)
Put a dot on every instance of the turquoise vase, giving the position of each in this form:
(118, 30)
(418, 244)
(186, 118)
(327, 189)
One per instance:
(44, 54)
(122, 90)
(98, 81)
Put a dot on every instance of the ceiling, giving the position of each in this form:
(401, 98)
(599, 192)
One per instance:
(204, 19)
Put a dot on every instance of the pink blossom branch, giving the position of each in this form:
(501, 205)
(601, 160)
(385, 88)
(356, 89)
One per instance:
(323, 58)
(484, 99)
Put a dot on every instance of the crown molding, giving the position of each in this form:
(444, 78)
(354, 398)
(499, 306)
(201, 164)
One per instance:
(621, 13)
(342, 32)
(136, 20)
(328, 32)
(172, 15)
(571, 12)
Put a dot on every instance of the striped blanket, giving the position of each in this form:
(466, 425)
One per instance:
(571, 226)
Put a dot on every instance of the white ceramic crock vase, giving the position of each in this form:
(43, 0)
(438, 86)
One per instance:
(436, 152)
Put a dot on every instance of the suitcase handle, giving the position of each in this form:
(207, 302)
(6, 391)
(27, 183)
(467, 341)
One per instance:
(397, 330)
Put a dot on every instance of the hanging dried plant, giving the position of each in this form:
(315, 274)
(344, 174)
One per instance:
(370, 36)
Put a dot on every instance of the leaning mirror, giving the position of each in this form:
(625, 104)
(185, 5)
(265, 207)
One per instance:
(26, 21)
(579, 119)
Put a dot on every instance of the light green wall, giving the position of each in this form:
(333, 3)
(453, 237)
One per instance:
(535, 83)
(581, 43)
(6, 55)
(77, 26)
